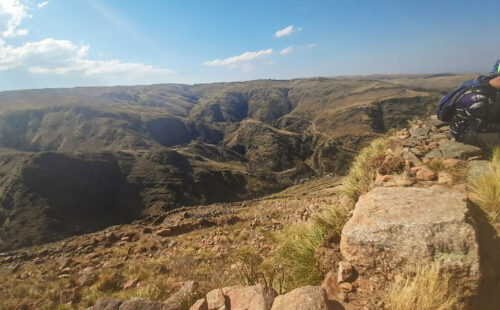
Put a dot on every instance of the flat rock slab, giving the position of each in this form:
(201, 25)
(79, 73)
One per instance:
(392, 228)
(453, 149)
(477, 168)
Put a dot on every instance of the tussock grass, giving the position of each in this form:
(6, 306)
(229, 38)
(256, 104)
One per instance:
(424, 288)
(109, 281)
(363, 169)
(486, 188)
(300, 242)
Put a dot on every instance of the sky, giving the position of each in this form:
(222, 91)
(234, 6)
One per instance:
(68, 43)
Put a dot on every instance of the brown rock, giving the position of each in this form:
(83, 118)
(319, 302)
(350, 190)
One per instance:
(106, 303)
(165, 232)
(426, 174)
(132, 283)
(346, 287)
(184, 292)
(200, 304)
(331, 285)
(345, 272)
(382, 178)
(451, 162)
(302, 298)
(445, 178)
(144, 304)
(392, 228)
(215, 299)
(257, 297)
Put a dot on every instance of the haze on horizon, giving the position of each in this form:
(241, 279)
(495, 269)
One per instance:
(58, 43)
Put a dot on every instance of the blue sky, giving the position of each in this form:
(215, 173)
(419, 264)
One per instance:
(67, 43)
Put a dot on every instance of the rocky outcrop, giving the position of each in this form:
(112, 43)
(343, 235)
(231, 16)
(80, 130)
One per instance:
(393, 228)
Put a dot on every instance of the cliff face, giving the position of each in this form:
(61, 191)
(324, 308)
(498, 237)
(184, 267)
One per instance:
(163, 146)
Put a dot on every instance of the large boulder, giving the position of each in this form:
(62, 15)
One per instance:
(394, 228)
(257, 297)
(303, 298)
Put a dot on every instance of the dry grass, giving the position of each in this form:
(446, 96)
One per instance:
(424, 288)
(252, 268)
(486, 188)
(363, 169)
(299, 244)
(109, 281)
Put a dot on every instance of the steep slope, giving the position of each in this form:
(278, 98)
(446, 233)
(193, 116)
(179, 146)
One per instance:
(180, 145)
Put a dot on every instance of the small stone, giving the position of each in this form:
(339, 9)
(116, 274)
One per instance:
(382, 178)
(331, 285)
(426, 174)
(106, 303)
(346, 287)
(302, 298)
(345, 272)
(451, 162)
(132, 283)
(215, 299)
(165, 232)
(200, 304)
(445, 178)
(147, 230)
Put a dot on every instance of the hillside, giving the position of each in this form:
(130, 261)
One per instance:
(78, 160)
(360, 240)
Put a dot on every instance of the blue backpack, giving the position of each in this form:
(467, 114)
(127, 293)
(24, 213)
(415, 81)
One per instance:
(448, 103)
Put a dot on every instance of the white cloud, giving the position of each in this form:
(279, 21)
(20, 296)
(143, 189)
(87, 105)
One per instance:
(42, 4)
(312, 45)
(286, 50)
(12, 13)
(51, 56)
(286, 31)
(234, 61)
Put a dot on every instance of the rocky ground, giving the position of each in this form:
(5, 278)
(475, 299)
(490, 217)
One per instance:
(188, 257)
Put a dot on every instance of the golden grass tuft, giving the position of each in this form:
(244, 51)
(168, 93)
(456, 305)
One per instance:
(298, 247)
(363, 169)
(424, 288)
(109, 281)
(486, 188)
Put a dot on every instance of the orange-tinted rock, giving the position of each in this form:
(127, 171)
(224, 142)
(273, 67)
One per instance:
(302, 298)
(426, 174)
(257, 297)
